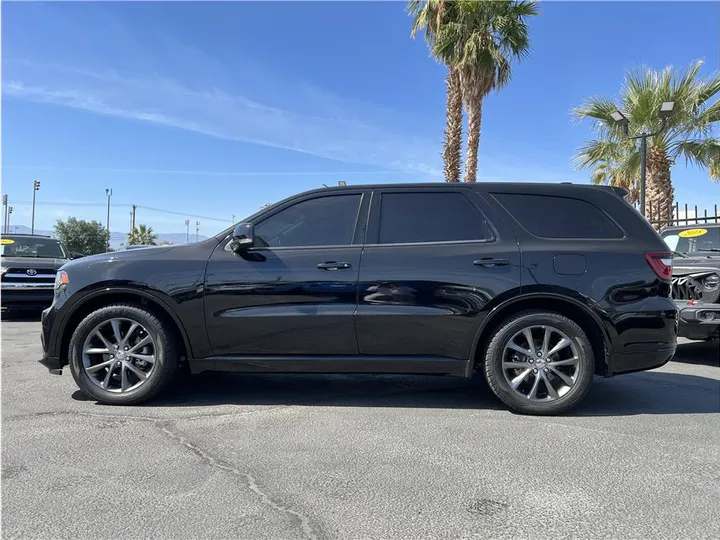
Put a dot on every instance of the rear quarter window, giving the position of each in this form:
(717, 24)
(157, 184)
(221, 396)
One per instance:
(550, 216)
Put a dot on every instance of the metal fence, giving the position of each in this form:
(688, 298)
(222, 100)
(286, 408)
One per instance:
(682, 215)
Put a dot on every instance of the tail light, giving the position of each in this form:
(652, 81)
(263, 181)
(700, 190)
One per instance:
(661, 264)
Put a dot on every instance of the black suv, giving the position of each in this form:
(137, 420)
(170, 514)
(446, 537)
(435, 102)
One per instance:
(538, 286)
(696, 279)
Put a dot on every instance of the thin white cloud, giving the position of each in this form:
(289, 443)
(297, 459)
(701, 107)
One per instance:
(337, 135)
(193, 171)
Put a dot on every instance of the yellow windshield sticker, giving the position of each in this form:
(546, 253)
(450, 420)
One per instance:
(6, 241)
(692, 233)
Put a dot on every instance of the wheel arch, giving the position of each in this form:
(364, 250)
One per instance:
(566, 305)
(104, 297)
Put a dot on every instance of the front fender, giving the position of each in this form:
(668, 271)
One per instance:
(73, 308)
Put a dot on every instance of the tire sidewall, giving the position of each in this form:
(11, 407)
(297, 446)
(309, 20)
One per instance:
(496, 378)
(154, 328)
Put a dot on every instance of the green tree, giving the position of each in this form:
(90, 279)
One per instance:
(481, 39)
(430, 15)
(142, 235)
(691, 132)
(80, 236)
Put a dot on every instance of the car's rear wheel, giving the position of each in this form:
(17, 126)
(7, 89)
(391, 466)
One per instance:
(123, 355)
(539, 363)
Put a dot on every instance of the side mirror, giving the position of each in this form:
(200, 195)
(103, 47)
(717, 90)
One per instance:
(243, 237)
(74, 256)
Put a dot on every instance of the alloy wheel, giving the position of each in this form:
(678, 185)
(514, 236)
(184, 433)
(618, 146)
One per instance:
(541, 363)
(119, 355)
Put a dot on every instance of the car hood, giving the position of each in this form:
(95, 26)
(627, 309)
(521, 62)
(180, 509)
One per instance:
(140, 253)
(193, 250)
(694, 264)
(32, 262)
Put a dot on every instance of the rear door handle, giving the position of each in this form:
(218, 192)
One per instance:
(490, 262)
(332, 265)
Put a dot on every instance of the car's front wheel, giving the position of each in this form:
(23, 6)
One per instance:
(123, 355)
(539, 363)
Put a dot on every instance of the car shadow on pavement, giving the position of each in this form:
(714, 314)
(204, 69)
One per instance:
(650, 392)
(698, 352)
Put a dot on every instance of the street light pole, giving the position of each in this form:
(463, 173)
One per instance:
(5, 208)
(666, 111)
(108, 193)
(187, 231)
(36, 186)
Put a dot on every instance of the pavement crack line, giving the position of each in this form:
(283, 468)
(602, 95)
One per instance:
(248, 479)
(165, 426)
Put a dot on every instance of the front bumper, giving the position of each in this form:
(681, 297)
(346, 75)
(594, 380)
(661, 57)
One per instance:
(53, 363)
(27, 295)
(698, 320)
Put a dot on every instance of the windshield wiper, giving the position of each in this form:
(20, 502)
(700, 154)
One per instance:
(683, 255)
(710, 249)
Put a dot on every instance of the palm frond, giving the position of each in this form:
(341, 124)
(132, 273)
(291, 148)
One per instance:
(702, 153)
(691, 132)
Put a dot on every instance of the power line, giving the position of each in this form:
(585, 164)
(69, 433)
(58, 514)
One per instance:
(119, 205)
(182, 214)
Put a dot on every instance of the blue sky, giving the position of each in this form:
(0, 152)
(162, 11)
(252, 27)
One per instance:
(212, 109)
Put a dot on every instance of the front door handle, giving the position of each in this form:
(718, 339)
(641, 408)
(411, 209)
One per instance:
(332, 265)
(489, 262)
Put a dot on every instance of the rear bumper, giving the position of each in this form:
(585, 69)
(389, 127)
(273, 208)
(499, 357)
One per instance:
(699, 320)
(630, 362)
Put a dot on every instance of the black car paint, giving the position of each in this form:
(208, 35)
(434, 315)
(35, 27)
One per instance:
(419, 308)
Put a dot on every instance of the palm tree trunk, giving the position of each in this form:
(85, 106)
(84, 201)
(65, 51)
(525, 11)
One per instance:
(474, 109)
(659, 192)
(453, 128)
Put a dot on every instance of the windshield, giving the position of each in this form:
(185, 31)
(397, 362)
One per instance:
(32, 247)
(693, 239)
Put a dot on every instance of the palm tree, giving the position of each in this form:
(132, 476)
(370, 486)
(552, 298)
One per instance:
(691, 132)
(481, 39)
(142, 235)
(430, 14)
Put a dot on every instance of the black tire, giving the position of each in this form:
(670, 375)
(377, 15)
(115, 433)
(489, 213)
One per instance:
(492, 366)
(166, 355)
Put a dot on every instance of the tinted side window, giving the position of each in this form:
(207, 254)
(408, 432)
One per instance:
(324, 221)
(430, 217)
(548, 216)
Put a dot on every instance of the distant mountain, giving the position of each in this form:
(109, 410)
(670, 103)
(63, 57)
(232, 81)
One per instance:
(116, 238)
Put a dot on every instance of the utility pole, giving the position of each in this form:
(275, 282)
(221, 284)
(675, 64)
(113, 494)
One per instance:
(187, 231)
(233, 219)
(108, 193)
(132, 220)
(36, 187)
(5, 207)
(197, 231)
(9, 212)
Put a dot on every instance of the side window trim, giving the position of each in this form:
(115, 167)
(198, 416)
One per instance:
(373, 234)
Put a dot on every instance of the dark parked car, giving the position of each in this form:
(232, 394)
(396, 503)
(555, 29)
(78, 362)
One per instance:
(696, 279)
(538, 286)
(29, 264)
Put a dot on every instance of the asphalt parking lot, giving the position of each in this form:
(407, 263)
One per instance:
(311, 457)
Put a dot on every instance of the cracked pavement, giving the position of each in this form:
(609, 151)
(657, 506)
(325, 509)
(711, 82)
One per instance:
(358, 457)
